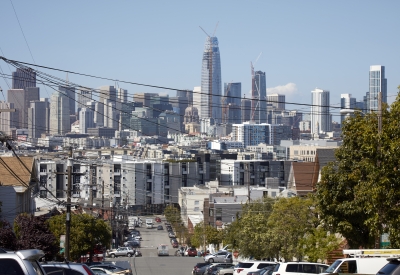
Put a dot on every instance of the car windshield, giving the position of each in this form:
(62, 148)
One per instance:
(244, 265)
(388, 268)
(333, 266)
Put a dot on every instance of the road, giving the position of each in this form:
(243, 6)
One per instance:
(150, 263)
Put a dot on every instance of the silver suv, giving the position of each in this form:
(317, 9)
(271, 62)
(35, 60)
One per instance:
(57, 268)
(217, 257)
(24, 262)
(121, 251)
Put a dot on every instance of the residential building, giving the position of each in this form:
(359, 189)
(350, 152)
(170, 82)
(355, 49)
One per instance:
(17, 187)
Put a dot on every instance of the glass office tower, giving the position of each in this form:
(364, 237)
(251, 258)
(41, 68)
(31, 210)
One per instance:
(377, 83)
(211, 84)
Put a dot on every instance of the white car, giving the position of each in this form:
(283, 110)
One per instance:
(299, 268)
(243, 267)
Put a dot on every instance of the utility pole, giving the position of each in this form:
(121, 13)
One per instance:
(378, 164)
(102, 200)
(68, 218)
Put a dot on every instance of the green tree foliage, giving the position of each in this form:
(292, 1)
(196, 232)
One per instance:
(359, 193)
(283, 228)
(173, 215)
(197, 239)
(87, 232)
(7, 237)
(33, 232)
(249, 232)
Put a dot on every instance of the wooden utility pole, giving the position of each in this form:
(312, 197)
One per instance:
(378, 164)
(68, 218)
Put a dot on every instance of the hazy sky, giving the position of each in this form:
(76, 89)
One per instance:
(304, 44)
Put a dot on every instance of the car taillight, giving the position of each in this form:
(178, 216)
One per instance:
(88, 270)
(239, 270)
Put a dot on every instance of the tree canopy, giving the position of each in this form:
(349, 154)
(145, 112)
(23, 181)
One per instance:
(87, 232)
(33, 232)
(358, 194)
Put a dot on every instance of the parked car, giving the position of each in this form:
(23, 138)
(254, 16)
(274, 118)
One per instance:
(262, 271)
(228, 258)
(132, 244)
(213, 268)
(24, 262)
(391, 268)
(299, 268)
(121, 251)
(199, 268)
(158, 219)
(175, 244)
(191, 252)
(225, 271)
(247, 266)
(113, 268)
(218, 257)
(65, 268)
(160, 227)
(171, 235)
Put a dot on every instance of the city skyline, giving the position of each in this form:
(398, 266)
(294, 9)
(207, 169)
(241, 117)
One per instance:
(297, 54)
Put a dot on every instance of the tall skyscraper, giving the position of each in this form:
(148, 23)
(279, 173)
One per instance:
(246, 110)
(259, 97)
(69, 92)
(86, 120)
(321, 120)
(276, 101)
(107, 92)
(211, 84)
(59, 114)
(7, 119)
(23, 78)
(21, 99)
(347, 106)
(377, 84)
(231, 102)
(38, 118)
(84, 96)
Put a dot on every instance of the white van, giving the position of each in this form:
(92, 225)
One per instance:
(299, 268)
(149, 223)
(357, 265)
(162, 250)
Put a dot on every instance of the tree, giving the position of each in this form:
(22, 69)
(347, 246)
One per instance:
(198, 237)
(358, 194)
(33, 232)
(7, 237)
(248, 233)
(173, 215)
(87, 232)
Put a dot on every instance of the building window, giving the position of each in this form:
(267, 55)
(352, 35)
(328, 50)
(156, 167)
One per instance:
(196, 209)
(196, 202)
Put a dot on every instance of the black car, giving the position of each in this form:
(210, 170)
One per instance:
(160, 227)
(199, 268)
(391, 268)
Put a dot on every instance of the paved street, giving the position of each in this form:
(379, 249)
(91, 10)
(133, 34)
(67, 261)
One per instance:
(150, 263)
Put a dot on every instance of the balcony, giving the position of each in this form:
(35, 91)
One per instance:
(166, 172)
(117, 194)
(184, 172)
(201, 171)
(117, 172)
(76, 195)
(43, 171)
